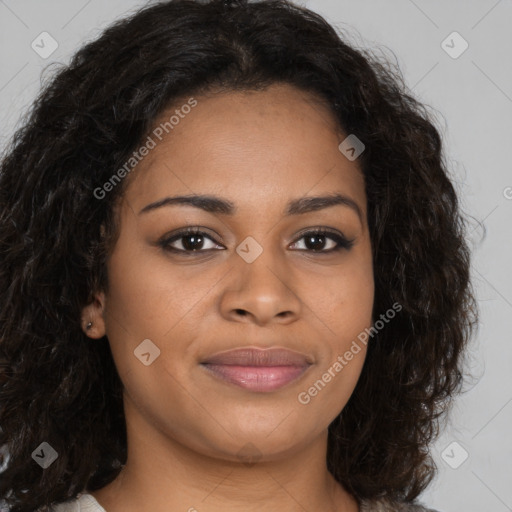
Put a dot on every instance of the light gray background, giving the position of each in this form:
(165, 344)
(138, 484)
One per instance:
(472, 95)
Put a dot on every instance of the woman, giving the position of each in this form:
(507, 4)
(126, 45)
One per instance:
(233, 273)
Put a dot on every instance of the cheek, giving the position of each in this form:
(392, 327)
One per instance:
(342, 310)
(342, 300)
(327, 392)
(329, 388)
(152, 299)
(147, 294)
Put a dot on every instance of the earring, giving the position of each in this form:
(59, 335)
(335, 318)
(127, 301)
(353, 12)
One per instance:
(89, 325)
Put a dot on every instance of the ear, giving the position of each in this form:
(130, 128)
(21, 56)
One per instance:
(93, 317)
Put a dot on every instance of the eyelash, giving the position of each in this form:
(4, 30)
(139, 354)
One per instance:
(341, 241)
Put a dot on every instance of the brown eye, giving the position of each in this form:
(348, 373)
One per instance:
(191, 240)
(316, 241)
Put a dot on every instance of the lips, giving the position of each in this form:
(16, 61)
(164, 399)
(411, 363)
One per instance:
(259, 357)
(256, 369)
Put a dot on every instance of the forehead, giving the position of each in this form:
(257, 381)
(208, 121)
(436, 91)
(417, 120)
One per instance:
(252, 147)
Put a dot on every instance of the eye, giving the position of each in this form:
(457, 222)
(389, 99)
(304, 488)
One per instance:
(317, 239)
(193, 240)
(190, 240)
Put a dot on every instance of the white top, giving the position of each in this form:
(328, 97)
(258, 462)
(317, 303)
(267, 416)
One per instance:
(86, 502)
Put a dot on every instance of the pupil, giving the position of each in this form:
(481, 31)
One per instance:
(194, 239)
(310, 242)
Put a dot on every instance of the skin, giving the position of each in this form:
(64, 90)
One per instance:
(186, 428)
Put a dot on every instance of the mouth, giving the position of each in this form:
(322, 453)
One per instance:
(259, 370)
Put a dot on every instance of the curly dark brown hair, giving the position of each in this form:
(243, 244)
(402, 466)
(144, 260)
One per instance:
(56, 386)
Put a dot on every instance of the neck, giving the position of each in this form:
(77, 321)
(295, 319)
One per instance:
(163, 475)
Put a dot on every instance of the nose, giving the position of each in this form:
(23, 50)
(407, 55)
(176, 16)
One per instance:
(261, 292)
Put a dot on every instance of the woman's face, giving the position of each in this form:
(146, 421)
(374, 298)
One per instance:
(253, 281)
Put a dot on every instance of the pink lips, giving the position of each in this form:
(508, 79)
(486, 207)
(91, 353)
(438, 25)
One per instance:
(258, 369)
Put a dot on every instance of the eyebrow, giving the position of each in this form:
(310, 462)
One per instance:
(214, 204)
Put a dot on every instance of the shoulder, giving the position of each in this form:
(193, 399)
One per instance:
(385, 505)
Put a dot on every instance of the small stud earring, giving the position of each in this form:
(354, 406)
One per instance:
(89, 325)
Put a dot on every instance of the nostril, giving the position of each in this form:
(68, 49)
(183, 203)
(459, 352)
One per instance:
(241, 312)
